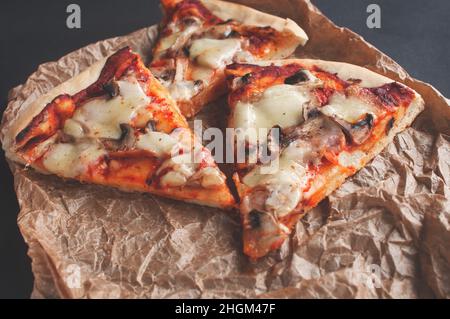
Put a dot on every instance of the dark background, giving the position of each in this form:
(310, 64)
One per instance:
(415, 33)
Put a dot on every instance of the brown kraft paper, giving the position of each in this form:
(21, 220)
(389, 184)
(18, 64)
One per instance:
(384, 234)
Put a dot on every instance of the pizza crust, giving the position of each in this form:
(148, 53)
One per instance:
(249, 16)
(344, 71)
(27, 112)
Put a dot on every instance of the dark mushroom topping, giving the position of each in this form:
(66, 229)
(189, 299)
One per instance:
(190, 21)
(112, 88)
(368, 120)
(233, 34)
(274, 138)
(356, 133)
(198, 85)
(65, 138)
(298, 77)
(149, 180)
(246, 78)
(312, 113)
(294, 133)
(151, 125)
(167, 75)
(254, 218)
(186, 51)
(319, 131)
(126, 141)
(390, 125)
(128, 138)
(225, 22)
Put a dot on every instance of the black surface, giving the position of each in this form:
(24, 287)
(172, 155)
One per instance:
(416, 33)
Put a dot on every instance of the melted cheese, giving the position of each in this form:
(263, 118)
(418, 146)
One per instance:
(73, 128)
(202, 73)
(285, 193)
(72, 160)
(286, 178)
(350, 109)
(284, 185)
(157, 143)
(180, 169)
(211, 177)
(103, 117)
(183, 90)
(163, 144)
(166, 42)
(214, 53)
(279, 105)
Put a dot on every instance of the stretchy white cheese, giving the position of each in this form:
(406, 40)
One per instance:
(71, 160)
(103, 117)
(348, 108)
(183, 90)
(279, 105)
(214, 53)
(157, 143)
(286, 178)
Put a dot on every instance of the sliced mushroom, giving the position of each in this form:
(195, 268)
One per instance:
(321, 133)
(297, 78)
(190, 21)
(254, 218)
(112, 88)
(246, 78)
(128, 137)
(167, 75)
(273, 147)
(310, 111)
(358, 132)
(151, 125)
(126, 141)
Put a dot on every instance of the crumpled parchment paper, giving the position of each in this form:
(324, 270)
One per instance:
(384, 234)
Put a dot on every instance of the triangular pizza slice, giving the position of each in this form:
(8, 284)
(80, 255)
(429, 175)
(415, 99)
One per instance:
(198, 38)
(303, 127)
(116, 125)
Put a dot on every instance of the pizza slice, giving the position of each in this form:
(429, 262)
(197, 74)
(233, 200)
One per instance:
(198, 38)
(301, 128)
(116, 125)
